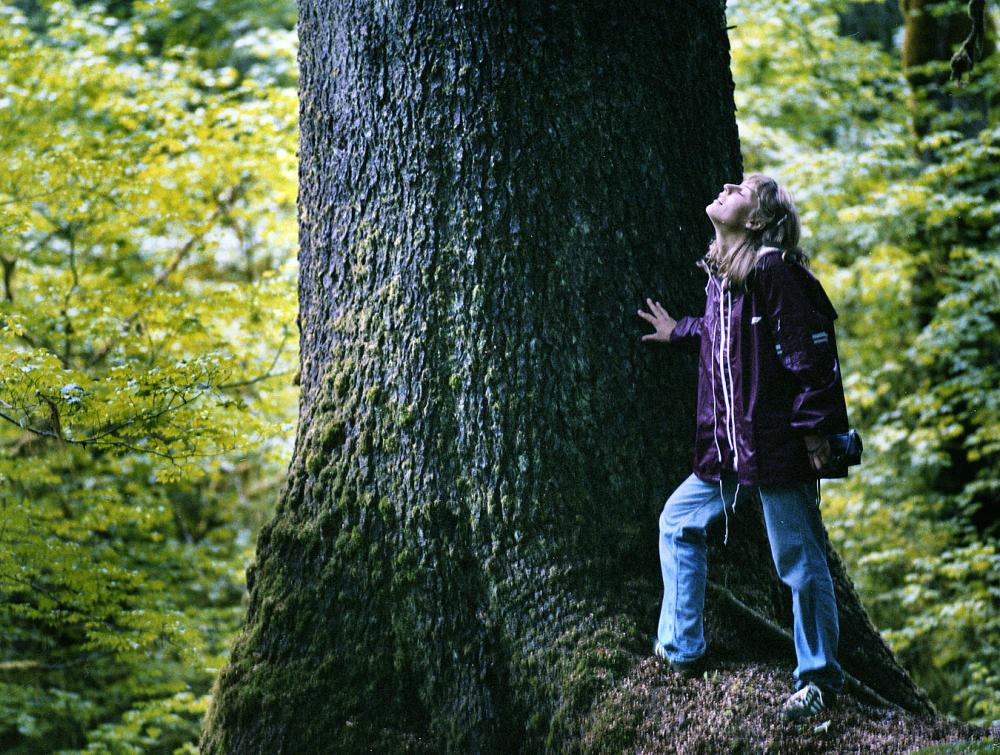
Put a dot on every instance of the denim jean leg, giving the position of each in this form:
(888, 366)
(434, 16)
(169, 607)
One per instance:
(798, 546)
(684, 565)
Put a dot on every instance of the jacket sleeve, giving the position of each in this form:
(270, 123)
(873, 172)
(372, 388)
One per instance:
(687, 333)
(801, 318)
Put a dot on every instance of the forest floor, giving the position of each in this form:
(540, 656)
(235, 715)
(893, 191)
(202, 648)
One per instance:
(736, 708)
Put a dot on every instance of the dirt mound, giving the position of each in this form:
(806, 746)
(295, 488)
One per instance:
(736, 708)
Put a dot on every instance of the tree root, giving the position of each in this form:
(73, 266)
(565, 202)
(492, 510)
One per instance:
(854, 685)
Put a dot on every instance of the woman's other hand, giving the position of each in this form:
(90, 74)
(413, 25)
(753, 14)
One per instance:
(660, 320)
(818, 447)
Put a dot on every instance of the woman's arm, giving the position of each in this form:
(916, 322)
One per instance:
(687, 334)
(806, 347)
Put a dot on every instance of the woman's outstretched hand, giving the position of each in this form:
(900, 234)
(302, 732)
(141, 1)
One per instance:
(660, 320)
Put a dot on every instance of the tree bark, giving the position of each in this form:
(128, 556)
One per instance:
(463, 557)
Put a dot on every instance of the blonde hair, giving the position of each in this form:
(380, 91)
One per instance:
(779, 227)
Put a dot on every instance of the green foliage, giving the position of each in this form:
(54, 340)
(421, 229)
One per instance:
(146, 356)
(980, 747)
(903, 231)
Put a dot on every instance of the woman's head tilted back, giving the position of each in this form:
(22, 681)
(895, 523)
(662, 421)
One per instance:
(754, 214)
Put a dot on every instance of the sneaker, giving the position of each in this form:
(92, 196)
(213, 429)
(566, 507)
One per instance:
(687, 669)
(807, 702)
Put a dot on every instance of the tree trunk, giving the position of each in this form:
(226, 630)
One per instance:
(933, 32)
(464, 554)
(871, 22)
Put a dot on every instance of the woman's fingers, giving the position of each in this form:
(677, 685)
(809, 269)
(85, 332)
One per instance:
(658, 312)
(658, 308)
(820, 457)
(654, 319)
(818, 449)
(658, 318)
(650, 318)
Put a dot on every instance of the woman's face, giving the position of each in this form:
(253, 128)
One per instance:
(732, 208)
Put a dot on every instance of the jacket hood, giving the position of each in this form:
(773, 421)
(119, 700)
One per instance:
(771, 255)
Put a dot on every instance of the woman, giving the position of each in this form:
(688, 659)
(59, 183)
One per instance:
(769, 394)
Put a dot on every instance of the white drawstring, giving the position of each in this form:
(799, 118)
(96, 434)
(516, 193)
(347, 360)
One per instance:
(732, 401)
(715, 437)
(732, 384)
(723, 345)
(724, 363)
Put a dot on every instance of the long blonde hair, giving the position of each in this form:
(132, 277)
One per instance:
(779, 228)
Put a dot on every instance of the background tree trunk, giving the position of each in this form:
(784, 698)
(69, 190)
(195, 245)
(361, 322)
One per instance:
(933, 32)
(874, 22)
(464, 553)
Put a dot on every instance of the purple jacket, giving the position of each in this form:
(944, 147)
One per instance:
(768, 374)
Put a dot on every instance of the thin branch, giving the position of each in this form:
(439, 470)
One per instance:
(147, 417)
(99, 441)
(258, 379)
(28, 665)
(53, 417)
(8, 264)
(179, 257)
(68, 322)
(266, 375)
(41, 343)
(35, 342)
(30, 197)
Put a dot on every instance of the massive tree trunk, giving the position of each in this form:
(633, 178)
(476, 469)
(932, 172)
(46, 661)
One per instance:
(464, 554)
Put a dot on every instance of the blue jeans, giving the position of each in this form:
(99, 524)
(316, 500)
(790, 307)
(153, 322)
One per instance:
(798, 547)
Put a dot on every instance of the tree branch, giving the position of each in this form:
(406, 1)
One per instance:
(184, 251)
(267, 373)
(972, 48)
(8, 274)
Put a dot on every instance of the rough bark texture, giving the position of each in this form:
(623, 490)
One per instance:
(463, 557)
